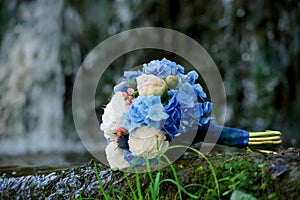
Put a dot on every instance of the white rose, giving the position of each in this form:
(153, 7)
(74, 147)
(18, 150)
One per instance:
(115, 156)
(147, 141)
(113, 115)
(150, 84)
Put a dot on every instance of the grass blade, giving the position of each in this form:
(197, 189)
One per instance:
(106, 196)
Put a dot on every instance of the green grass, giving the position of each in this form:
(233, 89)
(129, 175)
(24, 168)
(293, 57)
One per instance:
(156, 183)
(226, 176)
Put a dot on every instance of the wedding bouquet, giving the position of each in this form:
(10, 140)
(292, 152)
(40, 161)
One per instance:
(150, 107)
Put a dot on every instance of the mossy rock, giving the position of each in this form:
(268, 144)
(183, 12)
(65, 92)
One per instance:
(239, 174)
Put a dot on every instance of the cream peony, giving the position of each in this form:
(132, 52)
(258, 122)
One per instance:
(113, 115)
(150, 84)
(146, 141)
(115, 156)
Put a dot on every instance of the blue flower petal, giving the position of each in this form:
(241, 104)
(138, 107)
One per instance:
(191, 77)
(186, 95)
(163, 68)
(122, 86)
(172, 123)
(207, 107)
(199, 91)
(135, 161)
(156, 113)
(145, 111)
(132, 74)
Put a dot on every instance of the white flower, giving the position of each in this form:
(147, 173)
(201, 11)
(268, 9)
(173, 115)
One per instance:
(150, 84)
(147, 141)
(113, 115)
(115, 156)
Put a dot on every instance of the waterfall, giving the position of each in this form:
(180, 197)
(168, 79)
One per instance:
(42, 44)
(32, 81)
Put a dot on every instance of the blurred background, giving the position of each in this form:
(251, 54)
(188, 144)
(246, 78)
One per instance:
(42, 44)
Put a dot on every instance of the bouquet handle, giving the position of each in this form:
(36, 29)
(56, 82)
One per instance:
(239, 138)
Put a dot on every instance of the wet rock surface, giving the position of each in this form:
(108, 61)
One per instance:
(264, 176)
(62, 183)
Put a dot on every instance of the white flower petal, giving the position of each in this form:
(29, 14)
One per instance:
(115, 156)
(113, 115)
(147, 141)
(148, 84)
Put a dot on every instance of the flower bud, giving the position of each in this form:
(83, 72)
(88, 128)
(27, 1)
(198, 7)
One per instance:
(130, 91)
(172, 81)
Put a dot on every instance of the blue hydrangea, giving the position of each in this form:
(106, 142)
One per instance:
(172, 123)
(191, 77)
(207, 107)
(163, 68)
(199, 91)
(122, 86)
(136, 161)
(145, 111)
(186, 95)
(204, 121)
(128, 81)
(190, 117)
(132, 74)
(194, 116)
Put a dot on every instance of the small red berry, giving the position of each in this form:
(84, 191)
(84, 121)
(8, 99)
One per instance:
(130, 91)
(124, 94)
(122, 129)
(119, 134)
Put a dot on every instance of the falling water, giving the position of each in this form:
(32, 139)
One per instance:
(43, 44)
(32, 81)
